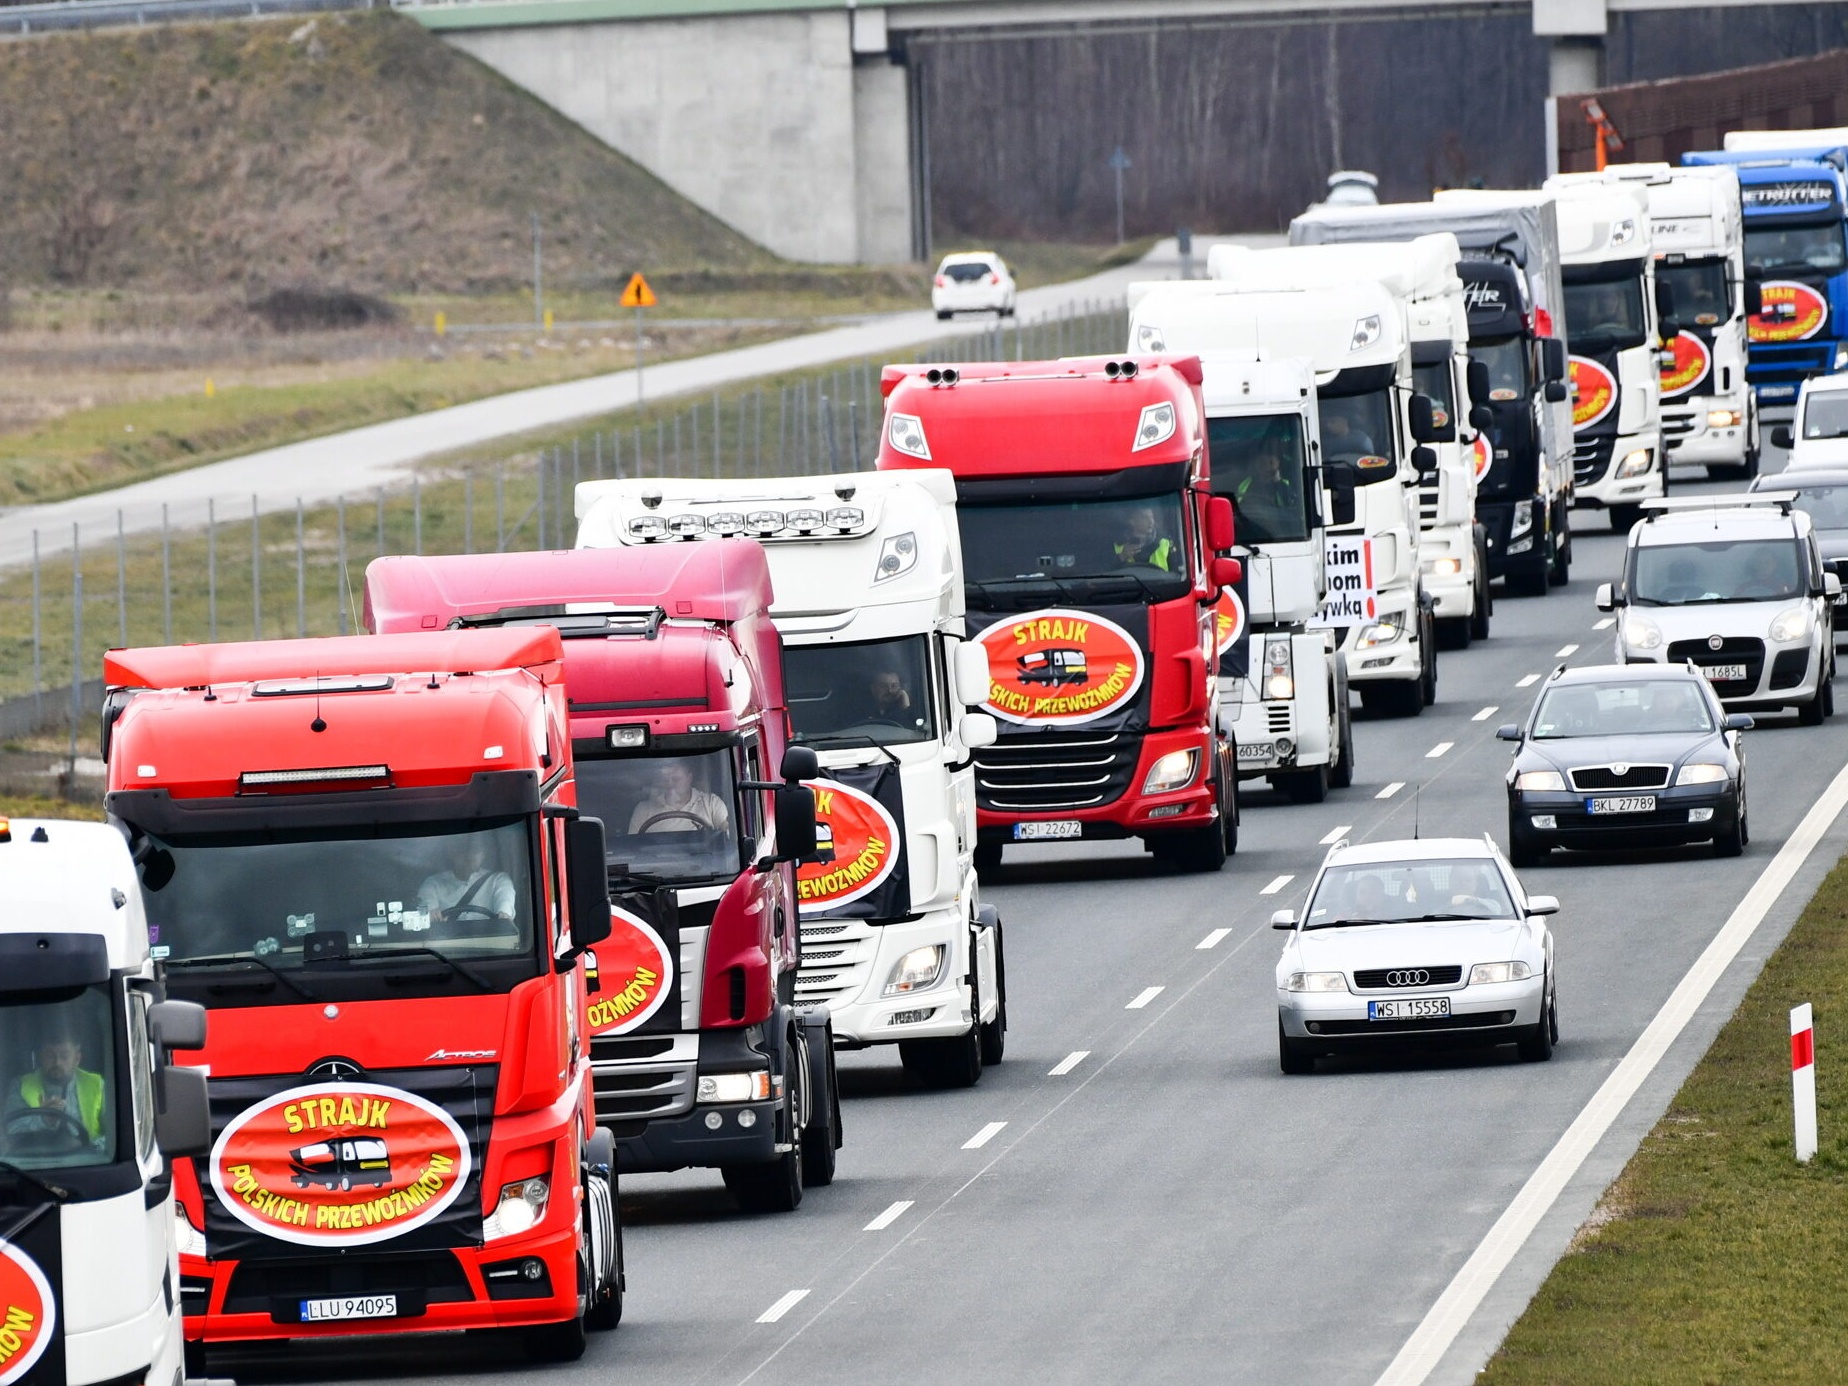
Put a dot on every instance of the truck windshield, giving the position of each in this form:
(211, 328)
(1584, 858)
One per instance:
(1356, 426)
(1506, 361)
(876, 691)
(671, 817)
(1077, 550)
(1816, 248)
(1756, 570)
(1604, 311)
(1258, 464)
(1701, 295)
(330, 913)
(1825, 415)
(59, 1058)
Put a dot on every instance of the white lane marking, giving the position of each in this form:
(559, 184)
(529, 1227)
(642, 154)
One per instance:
(1068, 1063)
(1605, 624)
(1390, 790)
(1439, 749)
(782, 1306)
(1277, 884)
(1448, 1316)
(1212, 940)
(887, 1218)
(1143, 997)
(1528, 682)
(984, 1136)
(1566, 652)
(1486, 713)
(1335, 834)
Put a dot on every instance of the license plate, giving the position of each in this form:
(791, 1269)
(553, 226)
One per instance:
(1630, 803)
(1724, 673)
(1777, 391)
(1051, 830)
(1421, 1008)
(1256, 750)
(349, 1307)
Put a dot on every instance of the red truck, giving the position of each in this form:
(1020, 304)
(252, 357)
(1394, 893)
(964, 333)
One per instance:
(1093, 552)
(364, 856)
(674, 675)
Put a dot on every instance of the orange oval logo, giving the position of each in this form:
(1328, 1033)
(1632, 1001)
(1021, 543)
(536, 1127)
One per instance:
(1059, 667)
(340, 1164)
(1481, 455)
(634, 976)
(1690, 367)
(1792, 312)
(856, 841)
(1594, 392)
(1228, 620)
(28, 1313)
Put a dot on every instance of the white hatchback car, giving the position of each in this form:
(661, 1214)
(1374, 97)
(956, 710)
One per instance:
(976, 281)
(1820, 435)
(1429, 941)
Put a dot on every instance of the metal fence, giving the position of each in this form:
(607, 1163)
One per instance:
(247, 573)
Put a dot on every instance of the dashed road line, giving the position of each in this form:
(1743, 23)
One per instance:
(1212, 940)
(984, 1136)
(885, 1219)
(782, 1306)
(1439, 749)
(1277, 884)
(1486, 713)
(1143, 997)
(1566, 652)
(1390, 790)
(1335, 834)
(1064, 1066)
(1605, 624)
(1528, 681)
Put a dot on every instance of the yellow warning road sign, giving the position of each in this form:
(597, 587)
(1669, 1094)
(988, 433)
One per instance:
(638, 294)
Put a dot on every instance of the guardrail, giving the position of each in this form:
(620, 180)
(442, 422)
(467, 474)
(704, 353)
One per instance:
(104, 14)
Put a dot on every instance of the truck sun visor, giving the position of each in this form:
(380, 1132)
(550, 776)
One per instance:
(52, 962)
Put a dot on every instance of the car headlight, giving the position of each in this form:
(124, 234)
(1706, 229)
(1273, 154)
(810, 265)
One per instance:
(734, 1087)
(1149, 339)
(1382, 632)
(1634, 463)
(1794, 624)
(918, 970)
(1315, 981)
(1484, 973)
(191, 1240)
(520, 1209)
(1641, 633)
(1701, 774)
(898, 555)
(1540, 780)
(1279, 673)
(1173, 771)
(1523, 519)
(1723, 418)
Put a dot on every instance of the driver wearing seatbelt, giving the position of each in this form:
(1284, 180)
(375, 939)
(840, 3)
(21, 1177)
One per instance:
(468, 889)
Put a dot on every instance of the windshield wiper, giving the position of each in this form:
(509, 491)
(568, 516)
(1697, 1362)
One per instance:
(1445, 918)
(417, 950)
(222, 959)
(57, 1193)
(1345, 923)
(845, 739)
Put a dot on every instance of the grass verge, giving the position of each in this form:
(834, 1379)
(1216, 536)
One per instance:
(1715, 1257)
(32, 806)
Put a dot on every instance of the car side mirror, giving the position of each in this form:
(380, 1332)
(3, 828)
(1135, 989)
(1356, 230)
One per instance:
(1284, 919)
(1543, 904)
(976, 730)
(1738, 721)
(800, 763)
(1508, 731)
(177, 1024)
(1831, 587)
(1781, 437)
(1754, 295)
(1481, 418)
(1605, 598)
(1555, 391)
(1220, 529)
(973, 681)
(795, 822)
(1553, 359)
(1422, 414)
(1476, 375)
(183, 1112)
(586, 863)
(1224, 572)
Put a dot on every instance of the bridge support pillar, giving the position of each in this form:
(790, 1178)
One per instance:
(1577, 28)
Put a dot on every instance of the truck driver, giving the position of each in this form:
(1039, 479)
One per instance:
(59, 1082)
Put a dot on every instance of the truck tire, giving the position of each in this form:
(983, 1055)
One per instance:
(1485, 600)
(946, 1063)
(822, 1136)
(1427, 681)
(1398, 698)
(1342, 775)
(987, 858)
(1304, 786)
(1195, 849)
(1624, 518)
(994, 1032)
(603, 1218)
(1455, 632)
(554, 1342)
(776, 1185)
(1559, 572)
(1228, 812)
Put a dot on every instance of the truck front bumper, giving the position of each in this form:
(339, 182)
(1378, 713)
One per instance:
(1133, 813)
(1690, 433)
(1397, 659)
(1604, 483)
(854, 962)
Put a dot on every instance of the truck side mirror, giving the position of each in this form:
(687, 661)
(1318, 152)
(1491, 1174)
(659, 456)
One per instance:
(183, 1112)
(799, 763)
(1476, 375)
(1424, 462)
(1423, 416)
(795, 822)
(1754, 295)
(1781, 437)
(586, 865)
(1219, 525)
(1223, 572)
(1555, 391)
(976, 730)
(1481, 418)
(177, 1024)
(1552, 359)
(1664, 301)
(1341, 506)
(973, 681)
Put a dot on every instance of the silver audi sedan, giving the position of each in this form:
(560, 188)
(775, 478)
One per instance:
(1426, 942)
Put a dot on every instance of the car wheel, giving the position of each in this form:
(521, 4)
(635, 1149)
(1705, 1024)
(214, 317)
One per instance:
(1293, 1056)
(1730, 842)
(1814, 712)
(1522, 849)
(942, 316)
(1536, 1046)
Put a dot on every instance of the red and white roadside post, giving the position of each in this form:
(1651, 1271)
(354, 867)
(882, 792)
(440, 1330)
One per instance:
(1803, 1079)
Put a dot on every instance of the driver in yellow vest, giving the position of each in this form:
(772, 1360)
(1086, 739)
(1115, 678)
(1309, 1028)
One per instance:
(60, 1083)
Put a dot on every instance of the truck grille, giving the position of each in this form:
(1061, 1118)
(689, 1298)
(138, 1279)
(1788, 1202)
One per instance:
(837, 960)
(635, 1077)
(1676, 427)
(1390, 978)
(1038, 773)
(426, 1277)
(1735, 649)
(1279, 719)
(1591, 459)
(1633, 777)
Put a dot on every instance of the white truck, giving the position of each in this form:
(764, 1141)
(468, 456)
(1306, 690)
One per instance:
(885, 688)
(89, 1266)
(1613, 322)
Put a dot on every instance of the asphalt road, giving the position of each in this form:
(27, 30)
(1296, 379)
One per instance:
(1168, 1206)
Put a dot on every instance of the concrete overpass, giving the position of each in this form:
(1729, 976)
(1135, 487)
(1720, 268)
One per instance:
(801, 122)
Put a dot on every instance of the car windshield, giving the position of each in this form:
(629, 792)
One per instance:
(1605, 313)
(1079, 549)
(968, 271)
(1723, 570)
(668, 817)
(1409, 892)
(1825, 415)
(1795, 249)
(1506, 361)
(1827, 506)
(1258, 464)
(875, 691)
(1701, 297)
(326, 900)
(1636, 707)
(1356, 426)
(58, 1060)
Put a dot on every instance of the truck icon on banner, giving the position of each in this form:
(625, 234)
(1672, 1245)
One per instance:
(340, 1164)
(1052, 668)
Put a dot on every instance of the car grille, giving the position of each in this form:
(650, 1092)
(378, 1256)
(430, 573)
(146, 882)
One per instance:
(1055, 770)
(635, 1077)
(837, 958)
(1591, 459)
(1633, 777)
(1734, 649)
(1385, 978)
(1480, 1021)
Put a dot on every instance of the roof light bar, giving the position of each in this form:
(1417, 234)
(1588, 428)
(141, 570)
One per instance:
(258, 778)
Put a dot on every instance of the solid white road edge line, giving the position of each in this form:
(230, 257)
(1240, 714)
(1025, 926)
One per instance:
(1439, 749)
(1212, 940)
(885, 1219)
(1390, 790)
(1143, 997)
(1066, 1065)
(1566, 652)
(1460, 1299)
(1528, 681)
(1486, 713)
(1336, 833)
(1277, 884)
(984, 1136)
(782, 1306)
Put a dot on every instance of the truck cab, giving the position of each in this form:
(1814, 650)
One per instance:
(701, 1055)
(1614, 323)
(96, 1118)
(885, 688)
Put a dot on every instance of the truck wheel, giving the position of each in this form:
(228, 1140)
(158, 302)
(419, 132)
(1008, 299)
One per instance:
(1195, 849)
(1400, 698)
(554, 1342)
(1560, 571)
(1453, 633)
(987, 858)
(822, 1136)
(994, 1032)
(1624, 518)
(945, 1063)
(775, 1186)
(1228, 813)
(1485, 602)
(193, 1352)
(1304, 786)
(1342, 776)
(1427, 681)
(603, 1235)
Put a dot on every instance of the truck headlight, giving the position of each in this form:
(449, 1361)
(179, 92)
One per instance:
(1149, 339)
(1700, 773)
(1443, 567)
(1483, 973)
(906, 432)
(918, 970)
(1523, 519)
(1634, 463)
(1173, 771)
(191, 1240)
(520, 1209)
(898, 555)
(1791, 625)
(1315, 981)
(1382, 632)
(1279, 674)
(733, 1087)
(1641, 633)
(1723, 418)
(1540, 780)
